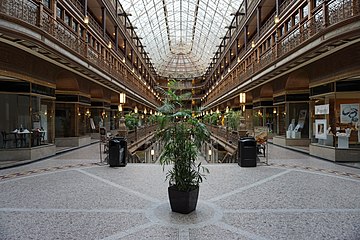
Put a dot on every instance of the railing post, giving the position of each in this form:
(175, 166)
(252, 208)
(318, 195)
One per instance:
(39, 22)
(325, 11)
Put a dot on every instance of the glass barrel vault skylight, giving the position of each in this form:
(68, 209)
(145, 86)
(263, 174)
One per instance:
(180, 35)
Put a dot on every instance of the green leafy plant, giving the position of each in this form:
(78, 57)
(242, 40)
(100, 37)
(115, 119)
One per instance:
(131, 120)
(182, 136)
(233, 119)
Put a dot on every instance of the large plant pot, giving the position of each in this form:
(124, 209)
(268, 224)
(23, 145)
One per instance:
(183, 202)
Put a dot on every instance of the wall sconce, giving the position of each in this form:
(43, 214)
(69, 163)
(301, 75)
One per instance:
(151, 112)
(274, 110)
(217, 110)
(252, 44)
(276, 19)
(210, 152)
(136, 110)
(145, 111)
(109, 45)
(227, 109)
(211, 111)
(86, 19)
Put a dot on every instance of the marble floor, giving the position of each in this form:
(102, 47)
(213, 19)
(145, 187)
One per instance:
(73, 196)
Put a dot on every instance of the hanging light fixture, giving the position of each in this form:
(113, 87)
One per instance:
(242, 101)
(136, 110)
(242, 98)
(122, 98)
(120, 108)
(227, 109)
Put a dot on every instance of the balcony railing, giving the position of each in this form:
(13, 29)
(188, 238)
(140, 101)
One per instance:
(29, 12)
(338, 11)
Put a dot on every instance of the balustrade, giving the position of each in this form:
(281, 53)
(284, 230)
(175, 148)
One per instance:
(29, 13)
(338, 11)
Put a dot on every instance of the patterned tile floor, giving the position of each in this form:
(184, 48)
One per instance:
(74, 196)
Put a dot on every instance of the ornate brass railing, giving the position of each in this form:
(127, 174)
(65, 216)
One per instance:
(29, 12)
(338, 11)
(138, 134)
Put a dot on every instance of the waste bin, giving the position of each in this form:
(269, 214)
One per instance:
(117, 152)
(247, 152)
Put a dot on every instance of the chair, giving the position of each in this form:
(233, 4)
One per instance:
(5, 138)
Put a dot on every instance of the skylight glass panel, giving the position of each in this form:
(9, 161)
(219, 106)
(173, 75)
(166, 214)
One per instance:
(169, 34)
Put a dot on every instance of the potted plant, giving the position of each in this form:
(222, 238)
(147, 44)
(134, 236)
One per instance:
(182, 135)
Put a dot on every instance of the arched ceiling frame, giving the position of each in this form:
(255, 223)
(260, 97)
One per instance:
(172, 27)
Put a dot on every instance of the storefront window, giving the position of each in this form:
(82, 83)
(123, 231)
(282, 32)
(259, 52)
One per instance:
(293, 120)
(27, 121)
(64, 123)
(82, 120)
(335, 120)
(265, 117)
(114, 119)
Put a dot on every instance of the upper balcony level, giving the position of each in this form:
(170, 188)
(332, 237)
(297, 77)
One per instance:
(74, 36)
(261, 49)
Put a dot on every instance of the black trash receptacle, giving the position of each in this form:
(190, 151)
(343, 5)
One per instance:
(247, 152)
(117, 152)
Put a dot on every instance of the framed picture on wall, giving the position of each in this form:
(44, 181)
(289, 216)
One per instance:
(349, 113)
(320, 128)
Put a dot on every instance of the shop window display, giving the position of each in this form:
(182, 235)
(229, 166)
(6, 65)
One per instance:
(293, 119)
(335, 119)
(266, 117)
(27, 121)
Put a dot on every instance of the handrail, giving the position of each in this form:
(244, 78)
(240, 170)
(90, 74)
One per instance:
(288, 43)
(28, 12)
